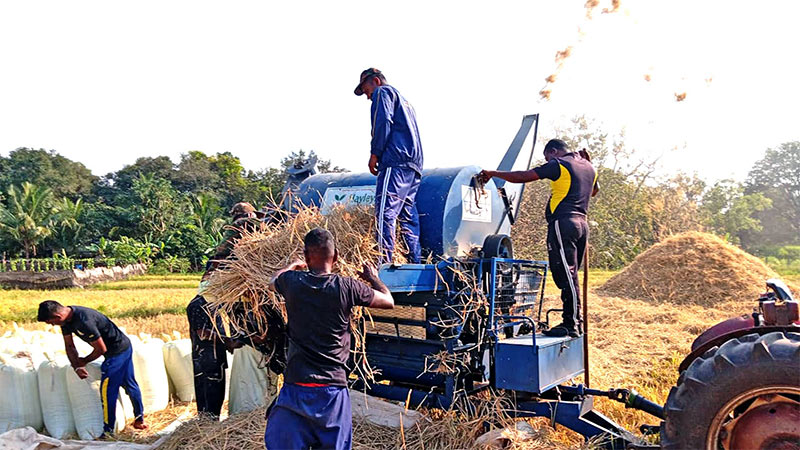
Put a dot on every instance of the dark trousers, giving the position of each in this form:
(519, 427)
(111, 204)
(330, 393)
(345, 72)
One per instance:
(310, 417)
(396, 201)
(115, 372)
(566, 245)
(208, 360)
(209, 377)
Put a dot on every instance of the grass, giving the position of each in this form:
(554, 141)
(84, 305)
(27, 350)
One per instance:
(140, 297)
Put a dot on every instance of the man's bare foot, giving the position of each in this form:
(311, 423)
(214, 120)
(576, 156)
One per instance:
(139, 424)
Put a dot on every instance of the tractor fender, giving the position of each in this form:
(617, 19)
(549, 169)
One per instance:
(742, 322)
(727, 330)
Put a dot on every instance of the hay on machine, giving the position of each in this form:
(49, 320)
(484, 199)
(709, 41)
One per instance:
(239, 290)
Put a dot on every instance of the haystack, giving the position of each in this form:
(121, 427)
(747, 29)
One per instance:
(691, 268)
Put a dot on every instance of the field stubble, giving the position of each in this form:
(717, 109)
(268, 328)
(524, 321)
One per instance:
(633, 343)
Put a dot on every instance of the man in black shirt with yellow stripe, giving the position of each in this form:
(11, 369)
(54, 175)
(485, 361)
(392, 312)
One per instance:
(573, 183)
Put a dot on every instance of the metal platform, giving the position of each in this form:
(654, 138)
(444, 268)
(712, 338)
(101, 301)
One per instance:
(537, 363)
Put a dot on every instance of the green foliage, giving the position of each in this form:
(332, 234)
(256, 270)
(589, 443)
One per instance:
(170, 264)
(731, 212)
(28, 218)
(777, 177)
(128, 251)
(784, 260)
(64, 177)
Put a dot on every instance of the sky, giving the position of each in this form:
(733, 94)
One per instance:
(105, 82)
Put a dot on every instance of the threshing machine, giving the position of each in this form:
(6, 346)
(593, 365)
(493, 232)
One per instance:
(470, 319)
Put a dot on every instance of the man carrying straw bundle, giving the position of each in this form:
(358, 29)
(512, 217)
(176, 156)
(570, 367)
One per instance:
(574, 182)
(313, 407)
(396, 158)
(209, 360)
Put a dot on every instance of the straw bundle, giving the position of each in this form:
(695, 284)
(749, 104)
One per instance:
(241, 286)
(691, 268)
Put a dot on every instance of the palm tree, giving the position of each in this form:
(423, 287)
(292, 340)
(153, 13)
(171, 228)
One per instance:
(66, 216)
(207, 216)
(28, 218)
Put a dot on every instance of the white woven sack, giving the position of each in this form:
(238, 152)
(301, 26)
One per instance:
(87, 408)
(151, 375)
(19, 394)
(251, 387)
(178, 361)
(54, 398)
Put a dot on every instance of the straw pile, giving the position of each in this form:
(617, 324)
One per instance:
(691, 268)
(242, 284)
(438, 430)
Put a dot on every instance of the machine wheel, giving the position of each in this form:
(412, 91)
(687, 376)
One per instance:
(498, 246)
(744, 394)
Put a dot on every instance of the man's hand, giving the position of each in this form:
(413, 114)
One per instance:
(298, 264)
(368, 273)
(485, 176)
(373, 164)
(232, 344)
(81, 372)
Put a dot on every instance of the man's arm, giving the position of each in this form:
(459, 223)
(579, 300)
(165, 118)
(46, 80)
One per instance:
(98, 350)
(72, 355)
(295, 265)
(382, 111)
(381, 297)
(72, 352)
(518, 176)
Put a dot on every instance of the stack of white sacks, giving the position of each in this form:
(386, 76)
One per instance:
(39, 388)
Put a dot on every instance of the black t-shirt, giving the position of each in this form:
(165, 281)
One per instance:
(89, 325)
(573, 179)
(319, 309)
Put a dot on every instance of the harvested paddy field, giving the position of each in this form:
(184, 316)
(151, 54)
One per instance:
(636, 341)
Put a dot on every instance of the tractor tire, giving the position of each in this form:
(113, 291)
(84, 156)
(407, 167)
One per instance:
(742, 394)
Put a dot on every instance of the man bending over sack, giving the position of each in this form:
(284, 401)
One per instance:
(106, 340)
(313, 407)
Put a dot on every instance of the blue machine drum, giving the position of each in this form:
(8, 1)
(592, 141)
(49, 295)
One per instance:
(454, 215)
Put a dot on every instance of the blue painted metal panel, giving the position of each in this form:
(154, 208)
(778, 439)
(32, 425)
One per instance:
(444, 231)
(413, 277)
(529, 364)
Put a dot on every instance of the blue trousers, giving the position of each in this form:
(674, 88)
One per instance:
(395, 201)
(310, 417)
(115, 372)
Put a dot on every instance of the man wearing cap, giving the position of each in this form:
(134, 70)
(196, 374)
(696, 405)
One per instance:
(573, 183)
(396, 158)
(208, 342)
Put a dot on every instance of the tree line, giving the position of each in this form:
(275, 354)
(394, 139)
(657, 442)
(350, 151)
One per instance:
(153, 210)
(172, 214)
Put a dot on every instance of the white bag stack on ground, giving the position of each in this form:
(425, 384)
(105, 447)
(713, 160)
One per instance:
(87, 409)
(178, 361)
(19, 394)
(251, 387)
(54, 398)
(148, 366)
